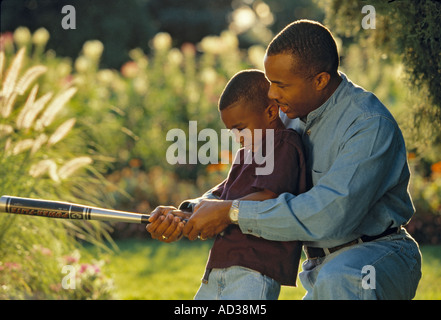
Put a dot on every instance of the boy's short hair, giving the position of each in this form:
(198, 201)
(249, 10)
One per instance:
(311, 43)
(251, 85)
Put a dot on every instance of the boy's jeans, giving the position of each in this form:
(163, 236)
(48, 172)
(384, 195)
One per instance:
(238, 283)
(387, 268)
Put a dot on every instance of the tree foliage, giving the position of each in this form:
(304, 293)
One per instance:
(409, 29)
(408, 32)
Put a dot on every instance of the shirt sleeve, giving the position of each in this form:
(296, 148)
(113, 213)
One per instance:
(370, 162)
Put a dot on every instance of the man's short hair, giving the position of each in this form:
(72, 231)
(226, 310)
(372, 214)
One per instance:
(311, 44)
(251, 85)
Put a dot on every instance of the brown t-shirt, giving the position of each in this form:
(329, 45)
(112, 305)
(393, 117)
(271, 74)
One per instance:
(276, 259)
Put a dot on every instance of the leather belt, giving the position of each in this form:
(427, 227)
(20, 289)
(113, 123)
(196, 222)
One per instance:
(314, 253)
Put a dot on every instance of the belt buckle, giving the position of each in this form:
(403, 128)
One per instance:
(328, 251)
(313, 255)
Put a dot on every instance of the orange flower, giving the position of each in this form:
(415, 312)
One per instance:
(130, 69)
(135, 163)
(436, 167)
(188, 49)
(215, 167)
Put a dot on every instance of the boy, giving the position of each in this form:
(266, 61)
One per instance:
(242, 266)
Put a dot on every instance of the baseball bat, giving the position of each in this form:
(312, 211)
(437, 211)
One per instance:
(66, 210)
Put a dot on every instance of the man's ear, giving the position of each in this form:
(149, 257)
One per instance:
(272, 111)
(321, 80)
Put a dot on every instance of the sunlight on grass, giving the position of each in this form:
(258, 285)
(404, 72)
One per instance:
(150, 270)
(429, 287)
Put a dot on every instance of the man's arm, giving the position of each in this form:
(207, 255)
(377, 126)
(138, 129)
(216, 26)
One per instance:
(366, 182)
(213, 215)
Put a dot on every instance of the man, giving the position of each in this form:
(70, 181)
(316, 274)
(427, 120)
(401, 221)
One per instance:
(351, 219)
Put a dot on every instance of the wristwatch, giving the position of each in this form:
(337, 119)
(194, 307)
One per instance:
(234, 212)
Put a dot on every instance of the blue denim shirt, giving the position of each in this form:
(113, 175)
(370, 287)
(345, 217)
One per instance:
(360, 175)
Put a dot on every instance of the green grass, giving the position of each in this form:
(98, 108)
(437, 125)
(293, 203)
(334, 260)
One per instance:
(149, 270)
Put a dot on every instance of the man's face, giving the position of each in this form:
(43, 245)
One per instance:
(294, 93)
(240, 116)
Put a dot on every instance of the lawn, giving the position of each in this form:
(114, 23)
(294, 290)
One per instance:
(149, 270)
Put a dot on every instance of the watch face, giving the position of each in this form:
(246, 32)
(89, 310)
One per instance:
(234, 214)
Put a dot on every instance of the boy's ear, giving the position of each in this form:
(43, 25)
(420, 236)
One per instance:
(272, 112)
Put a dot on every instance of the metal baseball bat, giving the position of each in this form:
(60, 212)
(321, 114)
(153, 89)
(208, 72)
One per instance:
(66, 210)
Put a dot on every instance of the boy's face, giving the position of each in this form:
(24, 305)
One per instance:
(295, 94)
(240, 115)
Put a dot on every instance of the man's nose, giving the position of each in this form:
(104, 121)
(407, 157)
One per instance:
(273, 93)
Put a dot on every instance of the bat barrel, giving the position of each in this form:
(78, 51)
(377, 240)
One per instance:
(66, 210)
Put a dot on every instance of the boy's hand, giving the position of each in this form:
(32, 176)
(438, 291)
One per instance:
(209, 218)
(164, 225)
(183, 215)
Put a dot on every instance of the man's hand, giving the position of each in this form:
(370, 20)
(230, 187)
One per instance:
(166, 224)
(210, 217)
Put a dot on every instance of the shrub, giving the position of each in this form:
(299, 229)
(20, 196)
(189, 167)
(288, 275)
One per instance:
(38, 159)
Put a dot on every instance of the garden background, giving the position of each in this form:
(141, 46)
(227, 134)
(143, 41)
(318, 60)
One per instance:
(84, 114)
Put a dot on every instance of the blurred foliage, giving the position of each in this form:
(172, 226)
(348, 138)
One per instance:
(94, 20)
(126, 115)
(407, 28)
(41, 158)
(123, 25)
(407, 31)
(189, 21)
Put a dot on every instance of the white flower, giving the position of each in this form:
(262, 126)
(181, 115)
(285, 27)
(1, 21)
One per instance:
(162, 41)
(31, 108)
(22, 146)
(49, 166)
(5, 130)
(175, 57)
(82, 64)
(105, 76)
(30, 75)
(73, 165)
(40, 37)
(208, 75)
(256, 54)
(41, 139)
(61, 131)
(229, 40)
(210, 44)
(22, 36)
(93, 49)
(54, 107)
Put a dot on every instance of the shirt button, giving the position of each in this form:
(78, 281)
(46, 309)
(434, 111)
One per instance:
(308, 132)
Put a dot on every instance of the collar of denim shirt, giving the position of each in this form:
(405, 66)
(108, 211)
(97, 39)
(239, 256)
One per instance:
(332, 100)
